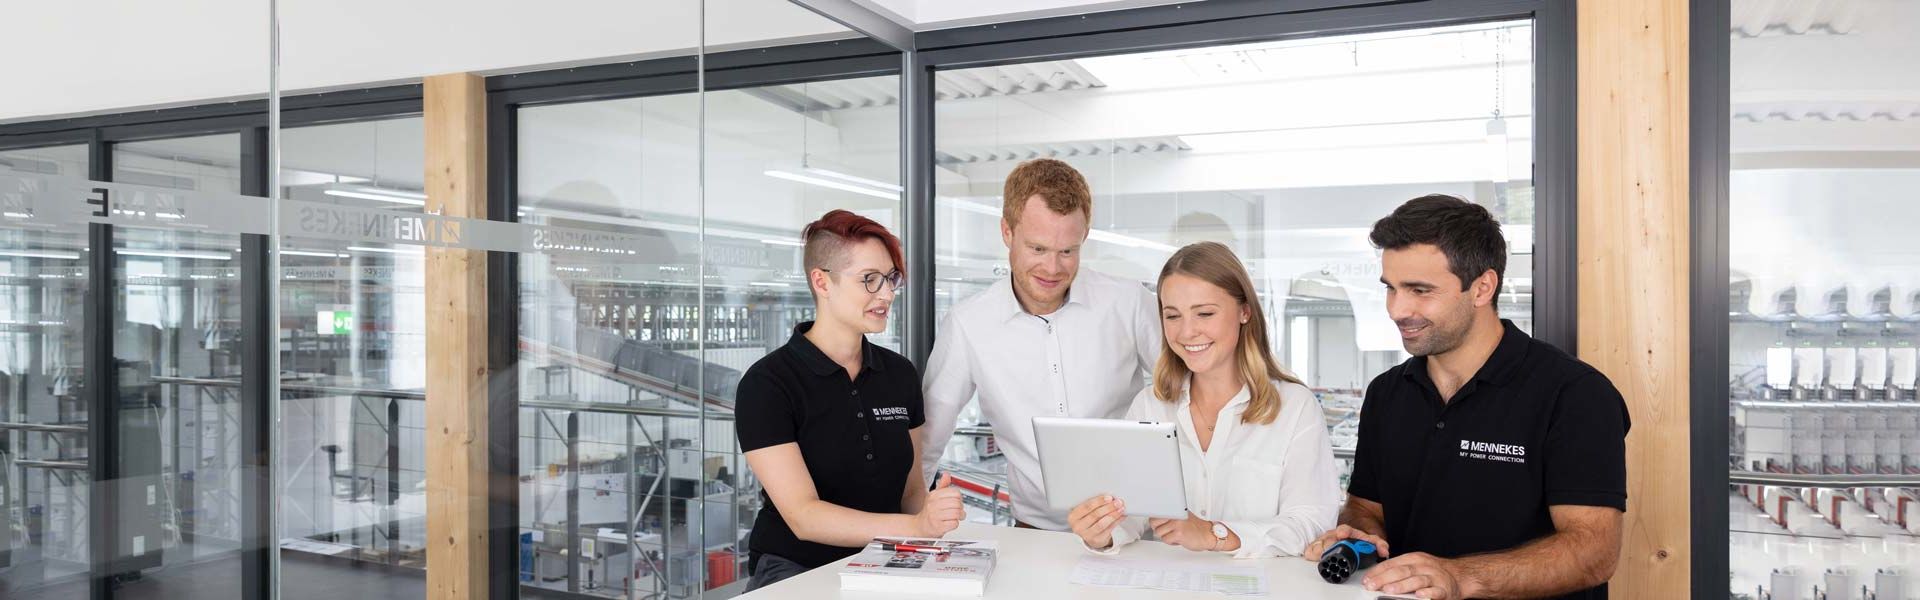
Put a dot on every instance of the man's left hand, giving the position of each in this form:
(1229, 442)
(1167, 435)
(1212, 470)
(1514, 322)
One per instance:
(1418, 574)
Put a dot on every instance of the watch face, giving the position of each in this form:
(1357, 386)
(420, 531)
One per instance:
(1219, 531)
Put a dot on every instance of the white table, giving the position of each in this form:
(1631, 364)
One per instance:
(1037, 564)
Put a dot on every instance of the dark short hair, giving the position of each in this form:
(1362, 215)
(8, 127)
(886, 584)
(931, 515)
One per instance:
(1463, 231)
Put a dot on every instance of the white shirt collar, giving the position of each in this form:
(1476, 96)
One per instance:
(1244, 396)
(1010, 303)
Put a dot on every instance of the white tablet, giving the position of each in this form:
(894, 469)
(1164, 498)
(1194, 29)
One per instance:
(1135, 461)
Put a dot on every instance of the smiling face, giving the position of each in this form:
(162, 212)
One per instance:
(1044, 253)
(1201, 323)
(842, 295)
(1425, 301)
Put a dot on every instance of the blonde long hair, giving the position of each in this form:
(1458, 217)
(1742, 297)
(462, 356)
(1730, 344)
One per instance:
(1214, 263)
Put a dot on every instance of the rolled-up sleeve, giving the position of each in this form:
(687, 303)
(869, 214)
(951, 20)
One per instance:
(947, 387)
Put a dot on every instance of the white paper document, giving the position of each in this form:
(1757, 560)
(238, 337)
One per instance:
(1181, 577)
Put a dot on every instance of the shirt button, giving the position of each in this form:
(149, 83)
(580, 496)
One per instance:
(865, 437)
(856, 392)
(869, 457)
(1440, 425)
(860, 415)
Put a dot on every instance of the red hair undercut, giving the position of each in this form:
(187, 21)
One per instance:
(827, 240)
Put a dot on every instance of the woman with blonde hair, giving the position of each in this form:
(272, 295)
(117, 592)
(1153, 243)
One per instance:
(1253, 445)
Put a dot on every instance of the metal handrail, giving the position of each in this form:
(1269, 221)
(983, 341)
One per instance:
(46, 427)
(585, 407)
(71, 465)
(1822, 480)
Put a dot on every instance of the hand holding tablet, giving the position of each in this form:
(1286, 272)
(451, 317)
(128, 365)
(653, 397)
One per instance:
(1103, 470)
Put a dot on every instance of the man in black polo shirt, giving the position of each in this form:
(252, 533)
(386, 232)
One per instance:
(830, 423)
(1489, 465)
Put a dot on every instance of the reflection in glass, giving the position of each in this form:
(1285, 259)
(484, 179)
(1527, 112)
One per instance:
(1824, 303)
(1287, 152)
(617, 394)
(353, 364)
(176, 340)
(43, 477)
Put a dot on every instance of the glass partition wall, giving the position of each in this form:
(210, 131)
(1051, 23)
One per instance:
(1285, 151)
(1823, 296)
(353, 357)
(650, 253)
(44, 486)
(687, 195)
(125, 459)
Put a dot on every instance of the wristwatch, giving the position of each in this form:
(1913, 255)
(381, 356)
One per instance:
(1220, 534)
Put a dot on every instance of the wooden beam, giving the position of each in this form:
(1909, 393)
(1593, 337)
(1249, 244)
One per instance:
(1633, 249)
(456, 420)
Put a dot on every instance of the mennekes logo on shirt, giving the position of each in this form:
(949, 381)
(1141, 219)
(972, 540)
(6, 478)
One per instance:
(890, 413)
(1512, 453)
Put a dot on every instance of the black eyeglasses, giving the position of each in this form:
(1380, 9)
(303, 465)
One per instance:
(894, 279)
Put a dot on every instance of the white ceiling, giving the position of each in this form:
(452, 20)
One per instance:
(1825, 76)
(924, 15)
(92, 56)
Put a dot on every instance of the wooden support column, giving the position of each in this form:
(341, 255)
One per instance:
(1633, 248)
(456, 420)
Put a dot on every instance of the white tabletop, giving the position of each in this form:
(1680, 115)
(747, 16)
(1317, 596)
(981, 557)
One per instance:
(1037, 564)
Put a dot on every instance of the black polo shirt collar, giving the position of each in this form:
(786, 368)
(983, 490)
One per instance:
(1499, 370)
(817, 361)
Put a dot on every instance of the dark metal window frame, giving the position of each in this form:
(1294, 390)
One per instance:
(1709, 121)
(1220, 22)
(248, 119)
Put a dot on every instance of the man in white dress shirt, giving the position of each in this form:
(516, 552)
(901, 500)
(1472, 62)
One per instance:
(1051, 340)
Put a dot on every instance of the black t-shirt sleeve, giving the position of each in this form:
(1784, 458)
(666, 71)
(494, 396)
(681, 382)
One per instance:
(1586, 445)
(763, 412)
(1364, 482)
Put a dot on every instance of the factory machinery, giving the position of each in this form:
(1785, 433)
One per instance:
(1825, 457)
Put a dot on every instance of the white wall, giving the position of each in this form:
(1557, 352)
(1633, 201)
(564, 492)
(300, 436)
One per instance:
(88, 56)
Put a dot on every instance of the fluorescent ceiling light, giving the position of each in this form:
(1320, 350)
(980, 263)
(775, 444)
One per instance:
(1127, 240)
(1098, 235)
(834, 184)
(313, 254)
(1355, 135)
(41, 254)
(830, 173)
(1497, 150)
(794, 243)
(176, 254)
(407, 198)
(769, 284)
(417, 250)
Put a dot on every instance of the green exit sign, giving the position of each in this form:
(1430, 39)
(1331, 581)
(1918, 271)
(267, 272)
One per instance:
(334, 320)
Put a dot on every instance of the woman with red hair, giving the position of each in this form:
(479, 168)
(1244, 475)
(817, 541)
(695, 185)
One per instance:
(831, 423)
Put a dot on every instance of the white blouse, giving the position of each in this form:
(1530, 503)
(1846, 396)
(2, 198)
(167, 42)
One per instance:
(1274, 485)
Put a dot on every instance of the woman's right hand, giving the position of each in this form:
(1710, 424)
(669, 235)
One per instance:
(1094, 519)
(942, 511)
